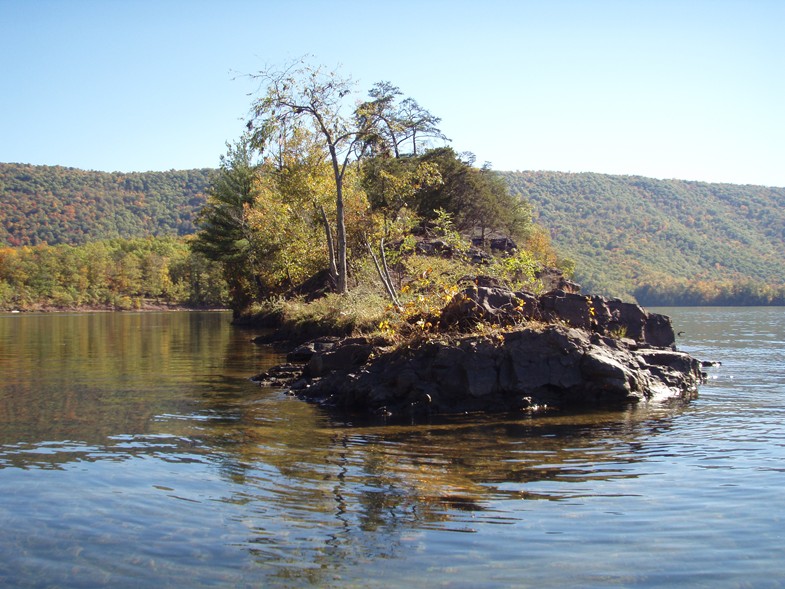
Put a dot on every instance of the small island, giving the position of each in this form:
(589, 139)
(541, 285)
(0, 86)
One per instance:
(424, 285)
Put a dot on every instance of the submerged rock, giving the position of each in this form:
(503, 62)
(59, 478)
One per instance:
(560, 350)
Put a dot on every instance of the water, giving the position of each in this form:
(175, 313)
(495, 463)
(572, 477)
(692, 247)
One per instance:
(134, 452)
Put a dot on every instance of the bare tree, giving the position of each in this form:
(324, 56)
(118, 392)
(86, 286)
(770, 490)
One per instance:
(306, 96)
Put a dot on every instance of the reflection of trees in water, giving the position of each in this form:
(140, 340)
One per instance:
(84, 379)
(323, 496)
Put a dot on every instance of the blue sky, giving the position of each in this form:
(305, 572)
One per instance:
(690, 89)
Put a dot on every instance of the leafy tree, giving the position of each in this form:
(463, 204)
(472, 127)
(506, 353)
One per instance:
(287, 216)
(391, 124)
(308, 98)
(118, 273)
(477, 199)
(393, 184)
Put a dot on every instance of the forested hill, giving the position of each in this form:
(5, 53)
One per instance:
(53, 204)
(663, 241)
(659, 241)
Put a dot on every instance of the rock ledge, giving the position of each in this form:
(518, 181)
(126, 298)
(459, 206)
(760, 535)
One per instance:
(563, 350)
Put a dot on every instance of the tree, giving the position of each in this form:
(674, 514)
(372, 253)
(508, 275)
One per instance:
(477, 198)
(288, 214)
(306, 96)
(392, 124)
(393, 184)
(225, 234)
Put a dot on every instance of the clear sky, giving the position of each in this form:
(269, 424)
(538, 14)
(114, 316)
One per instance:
(690, 89)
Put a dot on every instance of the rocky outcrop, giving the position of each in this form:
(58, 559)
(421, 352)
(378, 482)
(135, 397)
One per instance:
(492, 303)
(559, 350)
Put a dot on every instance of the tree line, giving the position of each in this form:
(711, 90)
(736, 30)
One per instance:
(664, 241)
(669, 292)
(118, 274)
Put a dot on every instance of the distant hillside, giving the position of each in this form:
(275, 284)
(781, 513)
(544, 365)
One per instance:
(54, 205)
(660, 241)
(654, 239)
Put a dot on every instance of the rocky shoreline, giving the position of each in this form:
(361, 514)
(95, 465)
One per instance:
(561, 350)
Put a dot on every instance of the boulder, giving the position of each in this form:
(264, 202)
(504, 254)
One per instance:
(496, 244)
(492, 304)
(305, 352)
(351, 352)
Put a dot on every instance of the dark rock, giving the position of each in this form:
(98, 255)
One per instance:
(434, 247)
(478, 256)
(552, 367)
(490, 302)
(281, 376)
(496, 244)
(304, 352)
(607, 317)
(659, 330)
(591, 352)
(574, 309)
(481, 280)
(495, 305)
(352, 352)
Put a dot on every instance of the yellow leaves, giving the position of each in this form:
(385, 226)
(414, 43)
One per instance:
(450, 291)
(424, 325)
(428, 174)
(592, 311)
(538, 244)
(401, 185)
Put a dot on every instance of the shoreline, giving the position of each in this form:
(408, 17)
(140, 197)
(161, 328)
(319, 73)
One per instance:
(109, 309)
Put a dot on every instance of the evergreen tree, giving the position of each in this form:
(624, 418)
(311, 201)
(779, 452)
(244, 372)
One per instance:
(225, 234)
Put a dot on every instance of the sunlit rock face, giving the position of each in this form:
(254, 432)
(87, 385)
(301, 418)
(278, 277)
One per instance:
(498, 305)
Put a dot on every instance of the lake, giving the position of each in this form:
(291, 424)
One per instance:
(135, 452)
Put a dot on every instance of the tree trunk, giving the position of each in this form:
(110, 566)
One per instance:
(330, 248)
(384, 272)
(340, 224)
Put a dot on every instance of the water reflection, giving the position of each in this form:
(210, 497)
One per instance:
(358, 494)
(133, 447)
(88, 377)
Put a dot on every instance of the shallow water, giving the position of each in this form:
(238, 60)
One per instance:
(134, 452)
